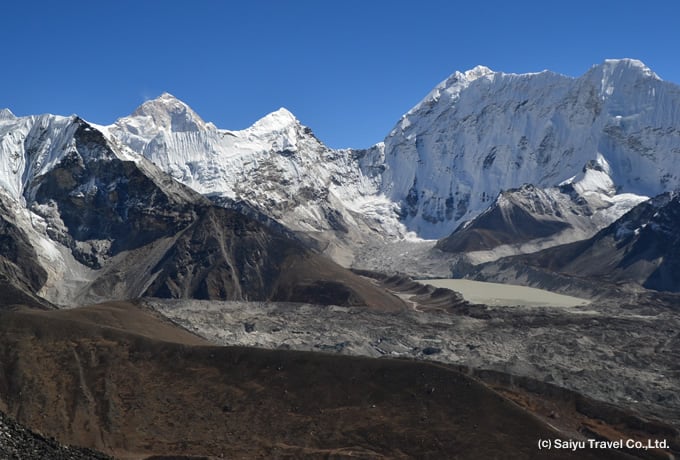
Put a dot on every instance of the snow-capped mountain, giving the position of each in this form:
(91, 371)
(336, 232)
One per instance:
(31, 146)
(516, 163)
(276, 165)
(84, 218)
(475, 135)
(480, 132)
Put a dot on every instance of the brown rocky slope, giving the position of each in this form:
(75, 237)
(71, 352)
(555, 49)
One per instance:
(121, 380)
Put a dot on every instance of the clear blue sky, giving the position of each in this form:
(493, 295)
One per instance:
(348, 69)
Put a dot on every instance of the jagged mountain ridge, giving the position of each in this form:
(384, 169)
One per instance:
(475, 135)
(619, 118)
(642, 247)
(277, 165)
(86, 219)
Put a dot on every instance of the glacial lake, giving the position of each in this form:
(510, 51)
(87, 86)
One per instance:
(506, 294)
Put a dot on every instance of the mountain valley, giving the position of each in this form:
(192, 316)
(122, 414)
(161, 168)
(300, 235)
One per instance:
(171, 289)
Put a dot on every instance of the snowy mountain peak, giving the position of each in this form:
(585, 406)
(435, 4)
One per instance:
(477, 72)
(447, 92)
(595, 178)
(276, 121)
(6, 114)
(32, 146)
(165, 96)
(627, 64)
(170, 113)
(615, 74)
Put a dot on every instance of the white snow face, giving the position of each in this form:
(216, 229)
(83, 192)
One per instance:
(481, 132)
(31, 146)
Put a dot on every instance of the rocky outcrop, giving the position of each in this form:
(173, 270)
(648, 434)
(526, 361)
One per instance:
(21, 275)
(510, 220)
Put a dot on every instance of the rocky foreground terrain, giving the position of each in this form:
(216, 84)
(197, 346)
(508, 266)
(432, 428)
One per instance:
(121, 379)
(19, 443)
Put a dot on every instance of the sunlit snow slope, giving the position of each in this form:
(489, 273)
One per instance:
(481, 132)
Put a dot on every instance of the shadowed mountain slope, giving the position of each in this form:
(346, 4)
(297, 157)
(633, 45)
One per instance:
(640, 250)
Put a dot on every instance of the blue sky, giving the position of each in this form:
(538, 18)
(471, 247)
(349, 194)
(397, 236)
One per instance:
(348, 69)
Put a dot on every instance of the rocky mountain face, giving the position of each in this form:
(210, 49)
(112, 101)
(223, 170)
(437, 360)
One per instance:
(516, 216)
(86, 219)
(21, 275)
(639, 249)
(643, 246)
(528, 218)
